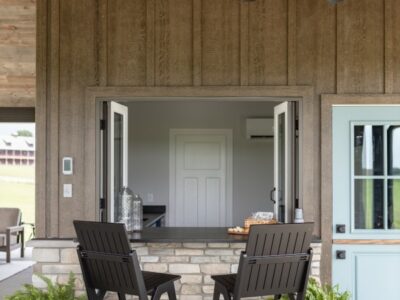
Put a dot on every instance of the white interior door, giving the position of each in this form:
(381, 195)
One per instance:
(117, 156)
(200, 178)
(284, 161)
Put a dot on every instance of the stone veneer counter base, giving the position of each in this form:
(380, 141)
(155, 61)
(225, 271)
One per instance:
(194, 253)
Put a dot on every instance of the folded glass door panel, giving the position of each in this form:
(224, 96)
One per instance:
(284, 161)
(117, 127)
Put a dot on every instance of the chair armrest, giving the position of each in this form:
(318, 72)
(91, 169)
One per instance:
(13, 229)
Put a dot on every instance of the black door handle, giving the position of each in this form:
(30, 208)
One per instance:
(271, 195)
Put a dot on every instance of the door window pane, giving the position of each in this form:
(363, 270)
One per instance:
(369, 203)
(282, 147)
(368, 150)
(393, 149)
(118, 161)
(394, 203)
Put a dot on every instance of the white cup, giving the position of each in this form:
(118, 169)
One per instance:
(298, 215)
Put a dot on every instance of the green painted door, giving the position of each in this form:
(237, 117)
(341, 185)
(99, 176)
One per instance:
(366, 200)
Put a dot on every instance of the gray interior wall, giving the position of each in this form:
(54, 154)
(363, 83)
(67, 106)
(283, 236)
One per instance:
(149, 124)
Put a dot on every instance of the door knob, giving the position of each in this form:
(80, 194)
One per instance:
(340, 254)
(340, 228)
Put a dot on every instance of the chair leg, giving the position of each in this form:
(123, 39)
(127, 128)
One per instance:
(121, 296)
(291, 297)
(22, 244)
(171, 292)
(156, 294)
(277, 297)
(8, 246)
(216, 293)
(219, 289)
(301, 296)
(161, 289)
(8, 255)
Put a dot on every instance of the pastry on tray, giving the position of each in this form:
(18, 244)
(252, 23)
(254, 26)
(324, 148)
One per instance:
(237, 229)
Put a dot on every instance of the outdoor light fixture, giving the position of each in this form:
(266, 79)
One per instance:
(334, 1)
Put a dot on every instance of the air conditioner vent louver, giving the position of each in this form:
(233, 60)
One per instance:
(259, 128)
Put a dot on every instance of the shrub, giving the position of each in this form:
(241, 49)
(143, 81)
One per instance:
(53, 291)
(317, 292)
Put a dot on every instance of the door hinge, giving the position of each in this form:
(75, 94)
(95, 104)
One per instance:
(296, 125)
(102, 203)
(102, 124)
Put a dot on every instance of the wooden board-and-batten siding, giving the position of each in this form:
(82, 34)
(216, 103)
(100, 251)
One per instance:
(349, 48)
(17, 53)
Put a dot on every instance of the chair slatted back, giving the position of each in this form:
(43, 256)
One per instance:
(276, 261)
(106, 259)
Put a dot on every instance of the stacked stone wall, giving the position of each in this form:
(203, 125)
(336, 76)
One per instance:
(195, 262)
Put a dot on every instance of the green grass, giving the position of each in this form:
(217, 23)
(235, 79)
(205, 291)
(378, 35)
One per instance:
(396, 204)
(26, 172)
(21, 195)
(369, 204)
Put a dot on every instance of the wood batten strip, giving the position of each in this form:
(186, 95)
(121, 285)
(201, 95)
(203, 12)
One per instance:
(197, 44)
(244, 43)
(150, 42)
(101, 39)
(389, 45)
(366, 242)
(291, 47)
(40, 118)
(52, 173)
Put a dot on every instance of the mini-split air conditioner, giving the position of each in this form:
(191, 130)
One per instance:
(259, 128)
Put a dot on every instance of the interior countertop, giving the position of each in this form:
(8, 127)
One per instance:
(189, 235)
(186, 235)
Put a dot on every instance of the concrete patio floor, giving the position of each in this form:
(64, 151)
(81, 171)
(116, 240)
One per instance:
(15, 274)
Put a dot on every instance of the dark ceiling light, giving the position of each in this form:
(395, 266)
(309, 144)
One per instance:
(334, 1)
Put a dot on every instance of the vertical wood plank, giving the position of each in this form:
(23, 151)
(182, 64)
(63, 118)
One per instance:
(197, 55)
(53, 121)
(78, 70)
(40, 119)
(126, 39)
(316, 45)
(173, 42)
(101, 45)
(220, 42)
(292, 43)
(360, 47)
(268, 42)
(244, 42)
(150, 42)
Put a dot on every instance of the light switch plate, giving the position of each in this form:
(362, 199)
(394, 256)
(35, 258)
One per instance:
(150, 197)
(67, 190)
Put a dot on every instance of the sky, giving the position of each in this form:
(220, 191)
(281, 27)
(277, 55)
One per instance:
(9, 128)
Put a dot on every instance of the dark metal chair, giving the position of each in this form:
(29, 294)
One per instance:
(109, 264)
(277, 261)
